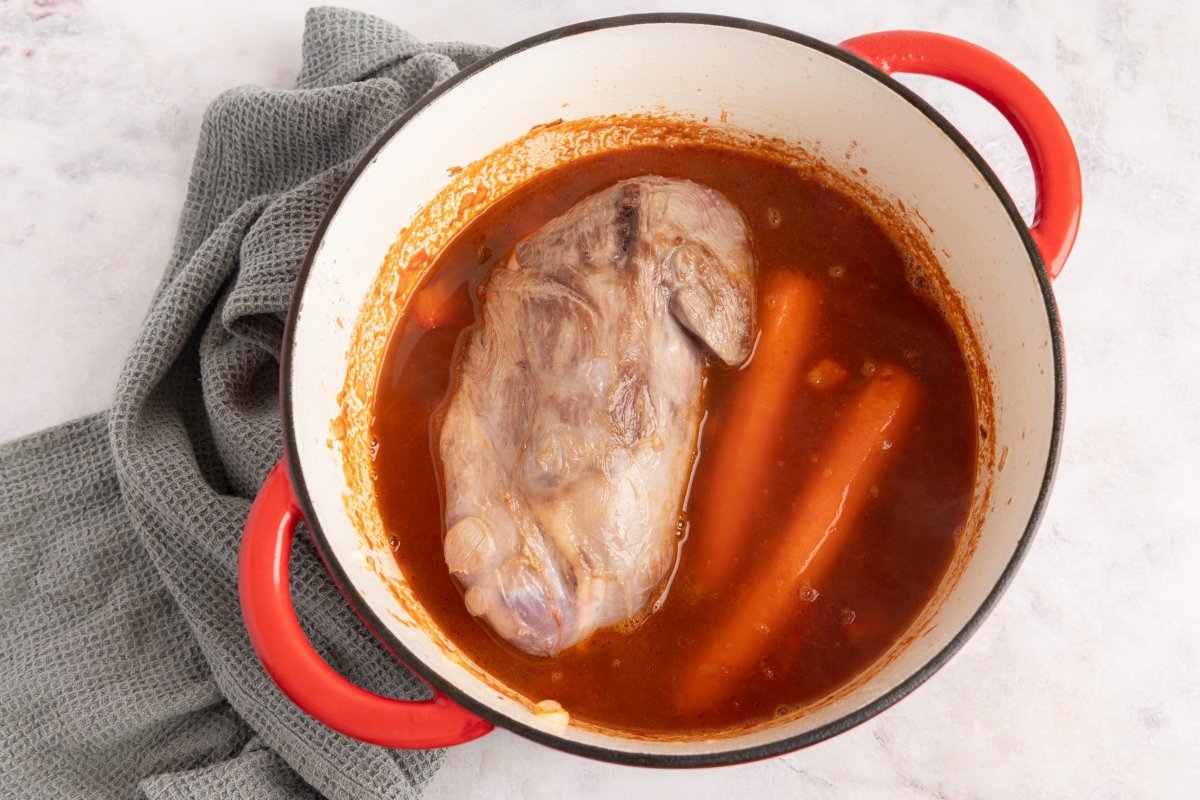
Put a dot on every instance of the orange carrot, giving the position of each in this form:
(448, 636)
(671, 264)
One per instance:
(742, 458)
(827, 375)
(438, 304)
(851, 460)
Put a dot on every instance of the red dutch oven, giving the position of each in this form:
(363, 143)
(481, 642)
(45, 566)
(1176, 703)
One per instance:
(838, 102)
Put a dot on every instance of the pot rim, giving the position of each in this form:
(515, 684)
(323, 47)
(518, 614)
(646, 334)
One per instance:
(780, 746)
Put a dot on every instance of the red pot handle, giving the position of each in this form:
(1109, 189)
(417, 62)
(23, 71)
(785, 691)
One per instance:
(294, 665)
(1055, 164)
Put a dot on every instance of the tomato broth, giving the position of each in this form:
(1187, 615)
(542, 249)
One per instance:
(872, 312)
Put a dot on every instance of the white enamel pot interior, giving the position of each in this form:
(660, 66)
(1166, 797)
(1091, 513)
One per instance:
(763, 80)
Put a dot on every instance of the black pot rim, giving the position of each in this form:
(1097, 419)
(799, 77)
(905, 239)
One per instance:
(769, 749)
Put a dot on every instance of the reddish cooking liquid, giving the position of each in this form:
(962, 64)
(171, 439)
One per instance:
(891, 562)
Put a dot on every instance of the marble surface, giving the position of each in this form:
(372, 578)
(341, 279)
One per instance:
(1081, 684)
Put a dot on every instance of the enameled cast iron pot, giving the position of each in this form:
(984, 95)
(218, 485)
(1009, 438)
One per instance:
(766, 80)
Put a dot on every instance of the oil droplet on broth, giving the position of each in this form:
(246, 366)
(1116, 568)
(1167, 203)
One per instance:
(681, 525)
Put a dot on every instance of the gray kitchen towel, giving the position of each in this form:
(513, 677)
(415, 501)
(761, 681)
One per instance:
(125, 670)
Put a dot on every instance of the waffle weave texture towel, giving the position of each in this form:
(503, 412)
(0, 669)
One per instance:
(125, 670)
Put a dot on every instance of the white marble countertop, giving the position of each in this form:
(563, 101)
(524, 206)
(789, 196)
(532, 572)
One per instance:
(1081, 684)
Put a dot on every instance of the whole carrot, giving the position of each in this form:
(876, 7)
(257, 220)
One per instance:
(851, 460)
(742, 457)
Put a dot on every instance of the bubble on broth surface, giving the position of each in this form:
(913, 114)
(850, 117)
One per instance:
(918, 279)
